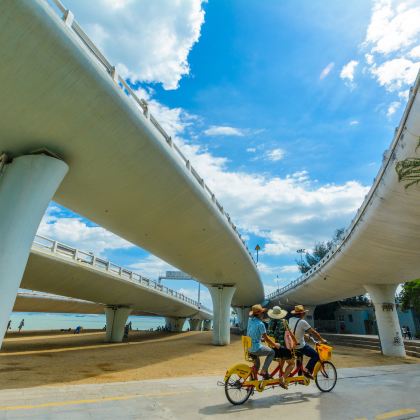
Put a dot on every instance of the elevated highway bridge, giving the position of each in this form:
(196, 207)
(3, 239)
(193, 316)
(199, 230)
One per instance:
(80, 282)
(380, 248)
(72, 130)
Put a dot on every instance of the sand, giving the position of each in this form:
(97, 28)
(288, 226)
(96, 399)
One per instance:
(56, 358)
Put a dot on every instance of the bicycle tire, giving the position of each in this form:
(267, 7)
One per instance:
(326, 377)
(235, 392)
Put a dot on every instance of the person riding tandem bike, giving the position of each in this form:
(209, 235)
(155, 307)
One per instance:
(241, 380)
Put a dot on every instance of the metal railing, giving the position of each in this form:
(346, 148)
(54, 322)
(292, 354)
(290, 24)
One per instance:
(388, 158)
(101, 264)
(68, 19)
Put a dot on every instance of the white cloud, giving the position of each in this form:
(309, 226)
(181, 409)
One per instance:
(76, 233)
(151, 267)
(251, 149)
(396, 73)
(347, 72)
(223, 131)
(393, 46)
(275, 154)
(354, 122)
(393, 25)
(415, 52)
(393, 107)
(326, 71)
(147, 40)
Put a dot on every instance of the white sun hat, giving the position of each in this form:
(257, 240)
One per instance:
(277, 312)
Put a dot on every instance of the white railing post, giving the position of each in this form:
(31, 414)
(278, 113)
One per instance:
(68, 18)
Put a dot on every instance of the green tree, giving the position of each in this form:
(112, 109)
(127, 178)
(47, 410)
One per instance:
(320, 250)
(410, 295)
(408, 171)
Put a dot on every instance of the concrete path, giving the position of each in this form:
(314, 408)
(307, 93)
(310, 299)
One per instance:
(385, 392)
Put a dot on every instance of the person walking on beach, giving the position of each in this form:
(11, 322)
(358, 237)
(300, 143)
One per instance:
(22, 323)
(9, 325)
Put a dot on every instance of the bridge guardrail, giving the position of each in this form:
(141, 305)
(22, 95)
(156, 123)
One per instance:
(388, 157)
(55, 247)
(68, 19)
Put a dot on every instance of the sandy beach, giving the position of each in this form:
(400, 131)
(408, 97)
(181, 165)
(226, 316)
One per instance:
(54, 358)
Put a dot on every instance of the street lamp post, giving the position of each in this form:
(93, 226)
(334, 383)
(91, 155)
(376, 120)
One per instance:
(301, 251)
(257, 248)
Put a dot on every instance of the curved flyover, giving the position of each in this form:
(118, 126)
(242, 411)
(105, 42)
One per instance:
(62, 99)
(380, 248)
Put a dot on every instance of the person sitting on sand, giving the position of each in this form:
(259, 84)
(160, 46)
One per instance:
(256, 330)
(277, 328)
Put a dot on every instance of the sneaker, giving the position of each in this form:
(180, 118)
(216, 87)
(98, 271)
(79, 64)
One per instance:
(308, 374)
(266, 375)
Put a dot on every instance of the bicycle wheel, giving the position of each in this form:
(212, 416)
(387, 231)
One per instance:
(326, 377)
(235, 392)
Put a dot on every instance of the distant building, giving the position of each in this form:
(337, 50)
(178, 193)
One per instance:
(361, 320)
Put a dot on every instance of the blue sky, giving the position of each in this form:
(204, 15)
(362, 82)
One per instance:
(284, 107)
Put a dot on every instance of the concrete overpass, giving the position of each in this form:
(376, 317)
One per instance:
(30, 301)
(380, 248)
(73, 130)
(96, 285)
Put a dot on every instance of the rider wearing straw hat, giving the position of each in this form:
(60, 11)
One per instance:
(277, 328)
(300, 327)
(256, 330)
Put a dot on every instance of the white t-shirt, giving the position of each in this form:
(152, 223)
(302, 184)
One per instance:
(301, 328)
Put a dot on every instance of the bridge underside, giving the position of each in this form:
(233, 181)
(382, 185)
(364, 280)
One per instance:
(381, 247)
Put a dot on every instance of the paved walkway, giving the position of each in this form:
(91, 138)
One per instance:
(385, 392)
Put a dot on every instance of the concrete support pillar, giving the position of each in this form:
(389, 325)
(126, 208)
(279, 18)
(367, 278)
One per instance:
(116, 318)
(310, 315)
(207, 325)
(27, 185)
(222, 298)
(243, 316)
(383, 298)
(174, 324)
(195, 324)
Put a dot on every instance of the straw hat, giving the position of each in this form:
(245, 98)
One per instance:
(299, 309)
(257, 309)
(277, 312)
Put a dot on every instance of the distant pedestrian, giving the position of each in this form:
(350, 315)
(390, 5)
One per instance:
(404, 331)
(408, 332)
(130, 326)
(22, 323)
(78, 329)
(9, 325)
(126, 330)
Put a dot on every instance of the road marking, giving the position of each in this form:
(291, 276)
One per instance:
(395, 413)
(89, 401)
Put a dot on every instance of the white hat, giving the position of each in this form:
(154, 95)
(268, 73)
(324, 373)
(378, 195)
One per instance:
(277, 312)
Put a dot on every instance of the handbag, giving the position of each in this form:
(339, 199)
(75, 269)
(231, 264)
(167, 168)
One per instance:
(289, 338)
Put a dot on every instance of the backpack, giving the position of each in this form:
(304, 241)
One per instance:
(289, 337)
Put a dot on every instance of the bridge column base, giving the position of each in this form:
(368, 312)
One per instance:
(195, 324)
(27, 185)
(116, 318)
(243, 316)
(207, 325)
(174, 324)
(222, 298)
(383, 298)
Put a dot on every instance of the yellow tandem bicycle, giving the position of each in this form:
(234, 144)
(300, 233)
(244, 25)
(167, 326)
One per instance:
(241, 380)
